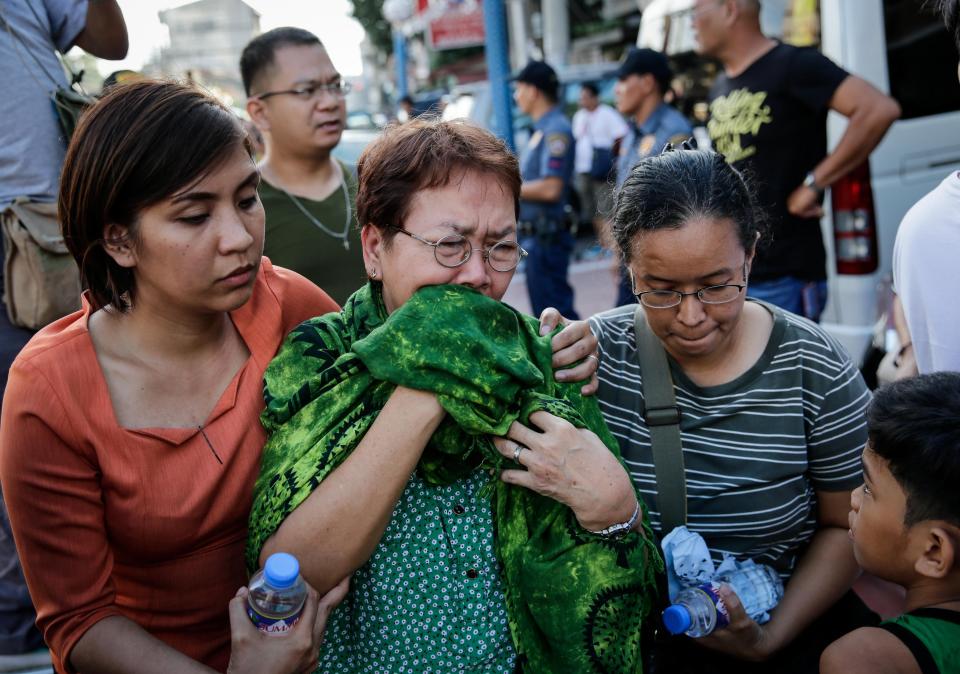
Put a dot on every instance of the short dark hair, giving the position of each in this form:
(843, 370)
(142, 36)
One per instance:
(258, 55)
(425, 154)
(138, 145)
(951, 18)
(914, 425)
(667, 190)
(591, 87)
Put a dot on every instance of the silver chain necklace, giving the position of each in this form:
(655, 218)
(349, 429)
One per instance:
(342, 236)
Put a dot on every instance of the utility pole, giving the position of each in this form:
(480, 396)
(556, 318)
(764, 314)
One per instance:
(400, 61)
(556, 31)
(498, 68)
(398, 13)
(517, 24)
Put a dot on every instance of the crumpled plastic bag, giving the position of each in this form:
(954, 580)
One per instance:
(688, 563)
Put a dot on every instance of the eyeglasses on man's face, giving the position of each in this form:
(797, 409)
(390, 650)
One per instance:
(312, 90)
(454, 250)
(667, 299)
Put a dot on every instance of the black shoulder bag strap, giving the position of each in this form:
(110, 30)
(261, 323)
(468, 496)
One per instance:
(663, 421)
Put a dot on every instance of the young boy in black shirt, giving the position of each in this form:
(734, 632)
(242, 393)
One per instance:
(905, 527)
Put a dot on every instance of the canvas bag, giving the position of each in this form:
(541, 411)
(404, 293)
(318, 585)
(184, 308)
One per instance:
(41, 280)
(602, 163)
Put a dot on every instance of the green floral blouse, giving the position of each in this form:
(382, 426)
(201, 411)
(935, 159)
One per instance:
(430, 599)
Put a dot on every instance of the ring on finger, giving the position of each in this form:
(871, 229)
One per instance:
(516, 452)
(595, 358)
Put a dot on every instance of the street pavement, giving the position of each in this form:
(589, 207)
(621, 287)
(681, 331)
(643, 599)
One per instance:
(593, 277)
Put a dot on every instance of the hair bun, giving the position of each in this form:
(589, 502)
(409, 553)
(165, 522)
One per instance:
(688, 144)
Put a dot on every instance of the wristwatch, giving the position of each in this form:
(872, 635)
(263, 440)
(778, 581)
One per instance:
(811, 182)
(621, 529)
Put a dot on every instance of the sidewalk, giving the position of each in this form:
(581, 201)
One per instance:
(593, 278)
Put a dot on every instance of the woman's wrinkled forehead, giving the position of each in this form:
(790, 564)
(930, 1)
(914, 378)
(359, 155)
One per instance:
(696, 248)
(468, 203)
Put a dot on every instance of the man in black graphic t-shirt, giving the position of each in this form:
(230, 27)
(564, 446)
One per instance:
(768, 115)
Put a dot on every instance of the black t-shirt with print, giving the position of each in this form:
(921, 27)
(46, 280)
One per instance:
(771, 122)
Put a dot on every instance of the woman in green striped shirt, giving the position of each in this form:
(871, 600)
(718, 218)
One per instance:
(771, 409)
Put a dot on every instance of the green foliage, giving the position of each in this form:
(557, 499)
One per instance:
(370, 15)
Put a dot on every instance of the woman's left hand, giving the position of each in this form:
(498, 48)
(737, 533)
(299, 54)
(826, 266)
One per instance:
(572, 466)
(743, 638)
(573, 344)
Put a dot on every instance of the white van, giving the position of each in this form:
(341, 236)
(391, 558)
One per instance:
(901, 49)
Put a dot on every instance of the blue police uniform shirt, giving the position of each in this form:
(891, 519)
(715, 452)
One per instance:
(665, 125)
(549, 154)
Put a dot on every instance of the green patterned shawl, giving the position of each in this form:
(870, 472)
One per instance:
(575, 602)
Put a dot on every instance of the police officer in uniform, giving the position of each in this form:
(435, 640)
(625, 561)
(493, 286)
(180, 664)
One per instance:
(642, 80)
(546, 166)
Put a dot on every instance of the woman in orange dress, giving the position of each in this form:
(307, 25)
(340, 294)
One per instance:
(129, 441)
(129, 438)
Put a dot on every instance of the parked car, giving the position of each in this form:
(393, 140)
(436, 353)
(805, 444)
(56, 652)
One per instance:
(365, 120)
(352, 143)
(901, 49)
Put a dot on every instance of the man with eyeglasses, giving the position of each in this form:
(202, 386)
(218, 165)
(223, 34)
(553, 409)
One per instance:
(768, 116)
(295, 97)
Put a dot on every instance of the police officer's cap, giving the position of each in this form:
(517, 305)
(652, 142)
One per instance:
(540, 75)
(643, 61)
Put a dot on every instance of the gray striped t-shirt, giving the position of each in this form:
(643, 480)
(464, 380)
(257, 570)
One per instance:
(755, 449)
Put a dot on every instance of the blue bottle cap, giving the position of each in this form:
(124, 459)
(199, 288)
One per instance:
(281, 570)
(677, 619)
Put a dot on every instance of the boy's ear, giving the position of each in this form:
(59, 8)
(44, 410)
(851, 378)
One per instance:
(940, 547)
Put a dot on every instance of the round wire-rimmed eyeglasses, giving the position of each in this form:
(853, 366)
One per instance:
(454, 250)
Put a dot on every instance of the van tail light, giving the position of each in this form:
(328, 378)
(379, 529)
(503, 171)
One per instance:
(854, 222)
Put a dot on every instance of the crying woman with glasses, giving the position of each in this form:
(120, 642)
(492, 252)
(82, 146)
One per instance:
(419, 440)
(770, 412)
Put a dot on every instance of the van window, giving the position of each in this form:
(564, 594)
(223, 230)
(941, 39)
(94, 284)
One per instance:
(921, 60)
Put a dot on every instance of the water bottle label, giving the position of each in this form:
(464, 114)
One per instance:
(273, 626)
(723, 614)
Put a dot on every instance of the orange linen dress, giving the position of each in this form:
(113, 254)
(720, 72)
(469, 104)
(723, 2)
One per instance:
(149, 524)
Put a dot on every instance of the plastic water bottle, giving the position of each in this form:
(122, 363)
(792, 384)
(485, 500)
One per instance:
(276, 595)
(700, 610)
